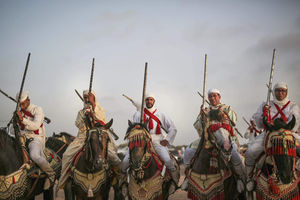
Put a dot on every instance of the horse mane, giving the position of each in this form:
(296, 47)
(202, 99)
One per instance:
(278, 124)
(6, 139)
(63, 134)
(132, 125)
(55, 144)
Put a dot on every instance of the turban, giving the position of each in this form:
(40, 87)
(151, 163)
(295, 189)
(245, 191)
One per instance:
(280, 85)
(150, 95)
(214, 90)
(23, 97)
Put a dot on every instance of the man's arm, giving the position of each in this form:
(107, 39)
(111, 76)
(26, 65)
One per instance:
(257, 117)
(169, 126)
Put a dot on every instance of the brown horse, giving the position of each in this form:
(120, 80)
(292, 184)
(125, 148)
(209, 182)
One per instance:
(211, 175)
(59, 143)
(91, 172)
(276, 176)
(18, 179)
(146, 181)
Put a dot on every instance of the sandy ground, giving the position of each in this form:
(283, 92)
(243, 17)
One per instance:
(178, 195)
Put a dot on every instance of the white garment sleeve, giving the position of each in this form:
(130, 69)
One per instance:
(257, 117)
(170, 128)
(136, 117)
(37, 121)
(80, 121)
(198, 125)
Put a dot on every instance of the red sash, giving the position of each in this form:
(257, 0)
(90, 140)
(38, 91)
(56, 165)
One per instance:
(28, 114)
(280, 112)
(96, 121)
(150, 124)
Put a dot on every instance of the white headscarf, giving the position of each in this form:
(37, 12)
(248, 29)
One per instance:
(280, 85)
(24, 96)
(86, 92)
(213, 90)
(153, 96)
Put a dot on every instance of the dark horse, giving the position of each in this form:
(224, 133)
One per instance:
(146, 181)
(210, 175)
(59, 143)
(91, 173)
(15, 181)
(277, 177)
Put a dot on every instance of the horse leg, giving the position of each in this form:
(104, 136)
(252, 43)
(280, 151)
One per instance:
(165, 190)
(48, 194)
(69, 195)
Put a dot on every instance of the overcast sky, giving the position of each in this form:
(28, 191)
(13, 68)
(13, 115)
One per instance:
(172, 36)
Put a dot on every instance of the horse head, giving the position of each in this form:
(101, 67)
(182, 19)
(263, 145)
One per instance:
(64, 136)
(139, 143)
(97, 145)
(280, 147)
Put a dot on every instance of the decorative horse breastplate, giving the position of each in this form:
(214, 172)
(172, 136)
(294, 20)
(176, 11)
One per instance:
(269, 186)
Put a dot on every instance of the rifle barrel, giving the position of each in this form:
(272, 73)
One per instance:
(79, 95)
(144, 90)
(204, 82)
(92, 75)
(271, 78)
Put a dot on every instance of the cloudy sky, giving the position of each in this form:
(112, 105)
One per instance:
(172, 36)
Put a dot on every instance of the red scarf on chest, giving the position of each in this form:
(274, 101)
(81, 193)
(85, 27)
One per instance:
(279, 111)
(28, 114)
(151, 117)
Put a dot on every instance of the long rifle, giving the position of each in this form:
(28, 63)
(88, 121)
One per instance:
(116, 137)
(271, 78)
(270, 86)
(46, 119)
(79, 95)
(87, 119)
(227, 117)
(204, 83)
(15, 117)
(133, 103)
(143, 96)
(92, 75)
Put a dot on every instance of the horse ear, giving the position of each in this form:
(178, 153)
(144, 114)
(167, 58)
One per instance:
(53, 134)
(268, 125)
(129, 123)
(291, 124)
(108, 125)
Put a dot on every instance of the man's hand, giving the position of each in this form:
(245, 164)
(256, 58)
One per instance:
(164, 143)
(266, 108)
(252, 126)
(19, 114)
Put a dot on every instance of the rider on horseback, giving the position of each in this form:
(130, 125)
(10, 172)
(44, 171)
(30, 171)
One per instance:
(155, 121)
(31, 119)
(228, 118)
(96, 113)
(280, 107)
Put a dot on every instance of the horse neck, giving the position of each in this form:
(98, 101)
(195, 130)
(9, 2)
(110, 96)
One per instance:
(85, 162)
(202, 162)
(11, 159)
